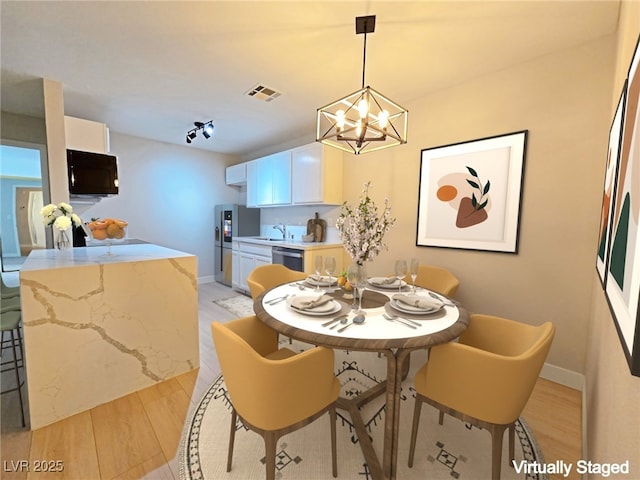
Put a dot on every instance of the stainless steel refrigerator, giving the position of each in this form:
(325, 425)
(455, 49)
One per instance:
(232, 221)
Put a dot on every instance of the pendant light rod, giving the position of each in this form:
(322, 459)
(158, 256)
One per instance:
(364, 58)
(365, 25)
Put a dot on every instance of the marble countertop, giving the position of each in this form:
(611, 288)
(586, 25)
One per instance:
(99, 255)
(288, 243)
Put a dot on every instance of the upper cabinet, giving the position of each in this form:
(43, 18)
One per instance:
(269, 180)
(307, 175)
(236, 174)
(85, 135)
(316, 175)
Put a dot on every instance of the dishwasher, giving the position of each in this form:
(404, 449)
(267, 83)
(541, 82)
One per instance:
(292, 258)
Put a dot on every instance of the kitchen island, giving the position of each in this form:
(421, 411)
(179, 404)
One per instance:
(98, 326)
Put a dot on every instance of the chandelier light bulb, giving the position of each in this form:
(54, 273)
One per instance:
(363, 108)
(340, 119)
(383, 119)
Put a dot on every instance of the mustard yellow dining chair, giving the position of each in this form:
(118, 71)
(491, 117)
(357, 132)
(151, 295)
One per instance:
(274, 392)
(437, 279)
(265, 277)
(484, 379)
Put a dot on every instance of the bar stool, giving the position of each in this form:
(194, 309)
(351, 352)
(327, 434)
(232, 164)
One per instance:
(10, 322)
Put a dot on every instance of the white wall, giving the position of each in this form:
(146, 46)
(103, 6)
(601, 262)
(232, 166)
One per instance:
(168, 194)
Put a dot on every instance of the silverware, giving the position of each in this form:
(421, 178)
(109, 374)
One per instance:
(395, 318)
(448, 303)
(273, 301)
(342, 321)
(358, 319)
(337, 319)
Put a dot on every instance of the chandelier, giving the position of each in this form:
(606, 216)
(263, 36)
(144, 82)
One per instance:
(364, 120)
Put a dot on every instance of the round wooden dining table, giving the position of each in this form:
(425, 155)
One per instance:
(376, 334)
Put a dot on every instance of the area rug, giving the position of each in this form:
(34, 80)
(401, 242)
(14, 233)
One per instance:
(239, 305)
(452, 450)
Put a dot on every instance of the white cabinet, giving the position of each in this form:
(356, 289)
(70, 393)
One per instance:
(236, 174)
(307, 175)
(247, 257)
(269, 180)
(316, 175)
(85, 135)
(252, 183)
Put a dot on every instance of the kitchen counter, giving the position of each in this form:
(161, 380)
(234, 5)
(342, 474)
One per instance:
(98, 327)
(298, 244)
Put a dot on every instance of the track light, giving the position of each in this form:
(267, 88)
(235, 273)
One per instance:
(207, 130)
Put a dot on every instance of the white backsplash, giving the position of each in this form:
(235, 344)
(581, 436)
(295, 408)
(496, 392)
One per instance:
(295, 219)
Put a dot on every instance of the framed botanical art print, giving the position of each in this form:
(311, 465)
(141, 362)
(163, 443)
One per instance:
(622, 284)
(470, 194)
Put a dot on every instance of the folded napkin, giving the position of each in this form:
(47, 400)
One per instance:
(308, 303)
(384, 281)
(320, 279)
(418, 301)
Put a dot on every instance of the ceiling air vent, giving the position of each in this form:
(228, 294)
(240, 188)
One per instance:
(264, 93)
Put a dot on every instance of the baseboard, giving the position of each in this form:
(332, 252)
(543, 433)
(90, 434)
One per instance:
(206, 279)
(565, 377)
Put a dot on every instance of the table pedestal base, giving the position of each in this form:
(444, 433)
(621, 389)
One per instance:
(398, 363)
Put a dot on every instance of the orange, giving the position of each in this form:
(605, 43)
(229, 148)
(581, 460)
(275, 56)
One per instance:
(100, 234)
(113, 230)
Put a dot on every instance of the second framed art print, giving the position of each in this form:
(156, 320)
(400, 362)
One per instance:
(470, 194)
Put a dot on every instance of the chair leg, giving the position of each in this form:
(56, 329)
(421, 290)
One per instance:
(334, 449)
(15, 363)
(270, 441)
(497, 434)
(232, 437)
(414, 429)
(512, 431)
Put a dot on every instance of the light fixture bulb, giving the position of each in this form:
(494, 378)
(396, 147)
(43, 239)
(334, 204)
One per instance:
(340, 119)
(363, 108)
(208, 129)
(383, 119)
(359, 128)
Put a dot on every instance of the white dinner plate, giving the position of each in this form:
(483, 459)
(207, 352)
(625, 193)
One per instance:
(322, 282)
(403, 307)
(377, 282)
(326, 309)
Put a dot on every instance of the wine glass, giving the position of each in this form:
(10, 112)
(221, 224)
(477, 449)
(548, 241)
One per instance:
(413, 269)
(352, 278)
(401, 272)
(330, 267)
(319, 264)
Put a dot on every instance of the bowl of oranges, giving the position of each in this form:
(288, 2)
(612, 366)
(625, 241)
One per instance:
(108, 230)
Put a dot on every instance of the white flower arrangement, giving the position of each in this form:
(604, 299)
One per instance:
(60, 216)
(362, 230)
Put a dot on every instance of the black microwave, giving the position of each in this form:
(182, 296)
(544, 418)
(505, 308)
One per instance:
(92, 173)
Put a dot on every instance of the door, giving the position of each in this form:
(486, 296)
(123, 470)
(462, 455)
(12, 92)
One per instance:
(29, 224)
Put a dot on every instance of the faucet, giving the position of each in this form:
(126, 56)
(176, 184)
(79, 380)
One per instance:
(282, 228)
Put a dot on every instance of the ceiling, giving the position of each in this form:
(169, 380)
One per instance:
(152, 68)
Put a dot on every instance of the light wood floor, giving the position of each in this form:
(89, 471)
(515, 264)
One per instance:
(138, 436)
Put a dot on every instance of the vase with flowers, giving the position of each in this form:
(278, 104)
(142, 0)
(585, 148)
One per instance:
(60, 218)
(362, 229)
